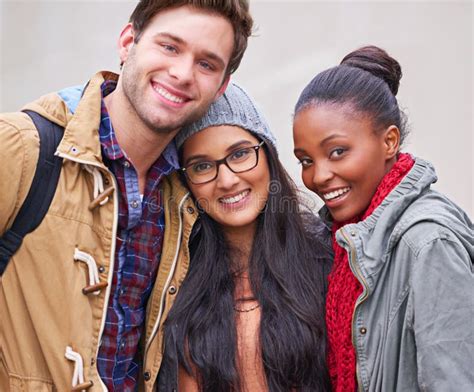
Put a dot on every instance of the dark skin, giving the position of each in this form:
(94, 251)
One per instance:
(343, 156)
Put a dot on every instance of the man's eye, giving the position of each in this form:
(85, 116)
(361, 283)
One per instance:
(202, 167)
(169, 48)
(206, 65)
(240, 155)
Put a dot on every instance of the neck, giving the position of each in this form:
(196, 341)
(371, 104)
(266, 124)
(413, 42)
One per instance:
(241, 241)
(142, 145)
(389, 164)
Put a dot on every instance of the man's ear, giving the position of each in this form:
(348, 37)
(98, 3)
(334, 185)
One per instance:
(125, 42)
(391, 140)
(222, 88)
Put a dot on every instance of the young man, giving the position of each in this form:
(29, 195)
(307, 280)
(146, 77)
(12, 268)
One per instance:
(84, 298)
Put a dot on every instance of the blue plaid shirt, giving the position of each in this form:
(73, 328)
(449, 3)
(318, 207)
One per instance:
(138, 250)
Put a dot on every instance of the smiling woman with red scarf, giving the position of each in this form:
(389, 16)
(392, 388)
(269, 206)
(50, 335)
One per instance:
(399, 306)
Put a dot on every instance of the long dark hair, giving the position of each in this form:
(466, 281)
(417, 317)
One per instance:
(287, 276)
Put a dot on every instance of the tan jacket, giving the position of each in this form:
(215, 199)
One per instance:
(42, 304)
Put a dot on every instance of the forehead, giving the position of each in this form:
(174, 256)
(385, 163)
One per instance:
(214, 141)
(196, 27)
(323, 120)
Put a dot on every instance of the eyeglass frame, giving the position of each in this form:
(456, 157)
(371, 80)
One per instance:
(223, 161)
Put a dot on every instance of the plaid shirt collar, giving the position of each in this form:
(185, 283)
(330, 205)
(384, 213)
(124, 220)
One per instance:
(110, 147)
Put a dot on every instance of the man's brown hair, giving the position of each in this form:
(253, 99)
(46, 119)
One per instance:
(236, 11)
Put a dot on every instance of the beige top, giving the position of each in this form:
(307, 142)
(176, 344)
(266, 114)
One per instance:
(249, 358)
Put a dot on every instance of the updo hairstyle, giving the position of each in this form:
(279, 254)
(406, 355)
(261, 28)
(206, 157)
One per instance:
(367, 80)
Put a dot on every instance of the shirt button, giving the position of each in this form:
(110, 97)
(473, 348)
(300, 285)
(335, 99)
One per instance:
(122, 291)
(363, 330)
(353, 233)
(147, 376)
(134, 204)
(172, 290)
(101, 269)
(126, 164)
(122, 345)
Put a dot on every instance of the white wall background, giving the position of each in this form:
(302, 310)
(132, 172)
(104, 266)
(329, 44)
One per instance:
(47, 45)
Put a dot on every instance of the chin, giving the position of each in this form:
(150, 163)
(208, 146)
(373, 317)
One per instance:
(342, 216)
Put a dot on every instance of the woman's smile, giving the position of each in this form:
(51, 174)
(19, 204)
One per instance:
(234, 200)
(342, 158)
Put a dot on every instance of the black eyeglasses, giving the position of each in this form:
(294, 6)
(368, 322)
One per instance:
(238, 161)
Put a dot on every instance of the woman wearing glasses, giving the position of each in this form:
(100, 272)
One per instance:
(249, 315)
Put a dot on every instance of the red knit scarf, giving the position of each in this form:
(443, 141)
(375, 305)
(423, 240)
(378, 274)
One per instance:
(344, 289)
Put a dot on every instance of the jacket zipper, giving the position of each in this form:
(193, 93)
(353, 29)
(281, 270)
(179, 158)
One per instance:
(356, 270)
(112, 255)
(168, 281)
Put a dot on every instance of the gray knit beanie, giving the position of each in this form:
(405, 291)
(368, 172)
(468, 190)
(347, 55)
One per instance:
(234, 107)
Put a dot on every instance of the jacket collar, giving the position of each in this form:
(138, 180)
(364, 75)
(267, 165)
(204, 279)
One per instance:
(81, 138)
(409, 203)
(417, 180)
(371, 240)
(177, 188)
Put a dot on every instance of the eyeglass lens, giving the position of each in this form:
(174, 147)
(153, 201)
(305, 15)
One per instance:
(238, 161)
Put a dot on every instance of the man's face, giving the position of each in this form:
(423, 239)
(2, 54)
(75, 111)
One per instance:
(177, 67)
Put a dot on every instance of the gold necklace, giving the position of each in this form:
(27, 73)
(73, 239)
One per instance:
(246, 310)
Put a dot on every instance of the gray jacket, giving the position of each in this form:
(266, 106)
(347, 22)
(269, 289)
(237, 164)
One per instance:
(413, 325)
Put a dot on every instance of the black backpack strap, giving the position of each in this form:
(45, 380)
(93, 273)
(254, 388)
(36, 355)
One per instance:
(41, 192)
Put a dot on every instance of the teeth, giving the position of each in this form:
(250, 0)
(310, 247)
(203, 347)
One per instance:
(168, 95)
(234, 199)
(334, 194)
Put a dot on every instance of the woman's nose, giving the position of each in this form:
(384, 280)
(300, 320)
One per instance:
(226, 178)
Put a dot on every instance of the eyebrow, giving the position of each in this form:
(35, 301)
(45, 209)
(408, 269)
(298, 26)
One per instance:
(206, 53)
(323, 142)
(238, 144)
(173, 37)
(331, 137)
(228, 150)
(298, 150)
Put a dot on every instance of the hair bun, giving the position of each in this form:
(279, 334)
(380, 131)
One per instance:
(378, 62)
